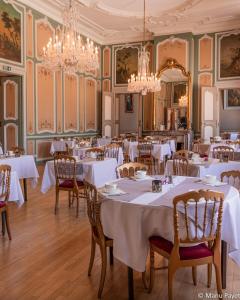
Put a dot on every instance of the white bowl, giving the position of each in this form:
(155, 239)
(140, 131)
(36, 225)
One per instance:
(210, 179)
(141, 174)
(110, 187)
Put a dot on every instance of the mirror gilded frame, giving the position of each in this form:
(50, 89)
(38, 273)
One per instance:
(173, 64)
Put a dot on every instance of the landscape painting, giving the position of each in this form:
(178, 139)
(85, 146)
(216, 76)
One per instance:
(10, 33)
(126, 60)
(229, 56)
(232, 99)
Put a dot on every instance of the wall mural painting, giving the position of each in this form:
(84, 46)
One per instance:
(10, 32)
(129, 103)
(230, 56)
(232, 99)
(126, 60)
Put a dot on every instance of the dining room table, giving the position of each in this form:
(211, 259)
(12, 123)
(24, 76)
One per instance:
(25, 167)
(212, 166)
(61, 145)
(159, 151)
(207, 148)
(97, 172)
(15, 194)
(103, 141)
(135, 214)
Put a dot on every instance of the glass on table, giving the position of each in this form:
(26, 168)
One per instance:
(156, 186)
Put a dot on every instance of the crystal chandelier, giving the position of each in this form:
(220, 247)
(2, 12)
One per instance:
(144, 82)
(183, 101)
(67, 50)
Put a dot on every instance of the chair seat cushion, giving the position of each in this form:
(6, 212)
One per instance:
(69, 184)
(186, 253)
(2, 204)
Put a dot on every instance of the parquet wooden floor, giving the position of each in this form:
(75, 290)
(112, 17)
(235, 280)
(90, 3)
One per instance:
(48, 260)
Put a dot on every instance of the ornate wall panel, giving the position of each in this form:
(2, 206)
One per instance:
(106, 85)
(81, 103)
(30, 97)
(10, 136)
(45, 100)
(29, 36)
(205, 53)
(10, 100)
(90, 104)
(30, 147)
(172, 48)
(106, 62)
(43, 149)
(70, 103)
(43, 31)
(58, 77)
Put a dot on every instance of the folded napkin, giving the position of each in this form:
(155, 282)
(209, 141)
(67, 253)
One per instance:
(117, 192)
(141, 179)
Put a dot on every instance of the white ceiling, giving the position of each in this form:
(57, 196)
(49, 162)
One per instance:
(114, 21)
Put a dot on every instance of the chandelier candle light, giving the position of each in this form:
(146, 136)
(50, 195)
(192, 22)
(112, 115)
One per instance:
(144, 82)
(183, 101)
(67, 51)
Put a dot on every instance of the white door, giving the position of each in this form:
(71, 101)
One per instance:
(107, 114)
(209, 113)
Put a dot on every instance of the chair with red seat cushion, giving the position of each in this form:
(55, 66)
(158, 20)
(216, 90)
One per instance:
(5, 173)
(65, 172)
(197, 218)
(98, 237)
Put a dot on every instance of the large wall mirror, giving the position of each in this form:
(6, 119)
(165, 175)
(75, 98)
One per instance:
(169, 109)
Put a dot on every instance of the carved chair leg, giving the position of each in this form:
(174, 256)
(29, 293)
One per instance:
(194, 275)
(111, 255)
(8, 225)
(93, 248)
(209, 275)
(57, 201)
(77, 209)
(217, 265)
(171, 273)
(103, 270)
(3, 222)
(152, 271)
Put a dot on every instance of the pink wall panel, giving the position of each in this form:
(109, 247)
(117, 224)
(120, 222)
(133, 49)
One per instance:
(106, 62)
(29, 36)
(70, 102)
(58, 77)
(106, 85)
(81, 103)
(11, 136)
(30, 147)
(43, 149)
(45, 99)
(172, 49)
(11, 90)
(30, 98)
(44, 32)
(205, 56)
(90, 104)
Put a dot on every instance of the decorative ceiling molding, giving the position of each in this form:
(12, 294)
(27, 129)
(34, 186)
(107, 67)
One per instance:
(106, 22)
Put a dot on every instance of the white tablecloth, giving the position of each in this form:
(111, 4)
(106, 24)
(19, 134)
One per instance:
(24, 166)
(61, 145)
(15, 194)
(1, 150)
(213, 167)
(159, 151)
(103, 141)
(80, 152)
(131, 219)
(95, 172)
(208, 148)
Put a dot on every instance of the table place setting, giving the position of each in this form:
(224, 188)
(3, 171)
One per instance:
(211, 180)
(111, 189)
(141, 175)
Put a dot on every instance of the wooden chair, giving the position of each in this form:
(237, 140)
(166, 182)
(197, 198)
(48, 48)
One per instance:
(221, 151)
(94, 150)
(66, 180)
(57, 153)
(232, 178)
(129, 169)
(180, 166)
(98, 237)
(5, 176)
(145, 155)
(69, 150)
(112, 150)
(184, 153)
(18, 150)
(199, 215)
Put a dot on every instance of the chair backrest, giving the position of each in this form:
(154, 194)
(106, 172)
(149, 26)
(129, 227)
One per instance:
(129, 169)
(68, 149)
(57, 153)
(112, 150)
(144, 148)
(198, 217)
(93, 211)
(180, 166)
(232, 178)
(5, 176)
(219, 151)
(95, 150)
(18, 150)
(65, 168)
(184, 153)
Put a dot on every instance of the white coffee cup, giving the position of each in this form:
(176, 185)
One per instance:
(10, 153)
(110, 187)
(141, 174)
(210, 178)
(93, 155)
